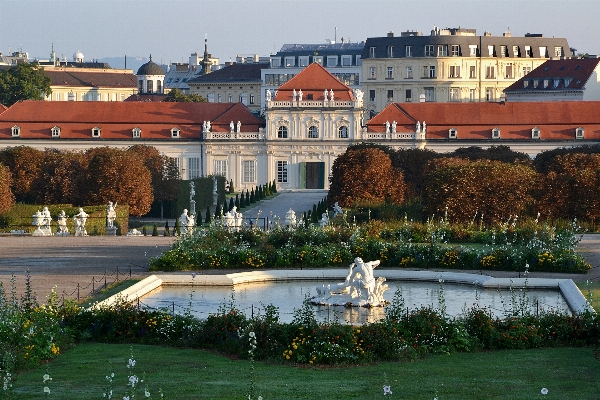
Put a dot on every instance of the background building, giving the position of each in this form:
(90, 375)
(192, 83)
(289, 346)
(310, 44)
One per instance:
(450, 65)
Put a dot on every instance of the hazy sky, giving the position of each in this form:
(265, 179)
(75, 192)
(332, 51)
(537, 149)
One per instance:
(171, 30)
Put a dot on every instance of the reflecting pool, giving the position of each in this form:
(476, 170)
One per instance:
(288, 297)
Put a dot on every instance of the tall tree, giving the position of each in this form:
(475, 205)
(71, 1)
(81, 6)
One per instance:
(6, 197)
(60, 179)
(365, 174)
(175, 95)
(121, 176)
(24, 81)
(24, 163)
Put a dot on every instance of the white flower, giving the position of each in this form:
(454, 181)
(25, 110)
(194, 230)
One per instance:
(146, 393)
(544, 391)
(252, 334)
(47, 378)
(125, 397)
(131, 363)
(46, 389)
(387, 390)
(133, 380)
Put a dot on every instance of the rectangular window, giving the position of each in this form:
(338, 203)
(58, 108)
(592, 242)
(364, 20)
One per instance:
(318, 60)
(371, 95)
(408, 51)
(509, 71)
(249, 171)
(454, 94)
(543, 52)
(251, 98)
(429, 50)
(220, 167)
(491, 51)
(372, 51)
(332, 61)
(429, 71)
(472, 72)
(193, 167)
(473, 50)
(515, 50)
(390, 73)
(558, 51)
(489, 94)
(490, 72)
(346, 61)
(390, 51)
(372, 73)
(429, 94)
(526, 70)
(290, 61)
(409, 72)
(528, 52)
(472, 95)
(442, 50)
(303, 61)
(275, 62)
(358, 60)
(408, 95)
(282, 171)
(390, 95)
(503, 51)
(454, 71)
(455, 50)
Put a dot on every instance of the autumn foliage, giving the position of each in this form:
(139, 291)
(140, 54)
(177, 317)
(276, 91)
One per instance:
(7, 199)
(365, 174)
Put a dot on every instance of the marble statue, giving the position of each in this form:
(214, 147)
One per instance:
(358, 95)
(42, 222)
(233, 219)
(187, 222)
(324, 220)
(268, 95)
(231, 126)
(208, 127)
(192, 190)
(418, 127)
(80, 220)
(214, 185)
(331, 94)
(62, 224)
(387, 126)
(204, 127)
(393, 126)
(337, 209)
(294, 95)
(325, 94)
(239, 126)
(360, 289)
(424, 127)
(300, 95)
(111, 214)
(290, 219)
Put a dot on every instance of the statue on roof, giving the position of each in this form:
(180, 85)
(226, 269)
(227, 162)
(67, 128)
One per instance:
(358, 95)
(231, 126)
(424, 127)
(418, 127)
(387, 126)
(294, 95)
(300, 95)
(331, 94)
(393, 126)
(325, 94)
(239, 126)
(268, 94)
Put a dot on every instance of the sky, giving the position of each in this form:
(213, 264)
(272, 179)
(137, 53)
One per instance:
(170, 30)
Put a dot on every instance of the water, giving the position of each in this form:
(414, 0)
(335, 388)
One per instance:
(252, 299)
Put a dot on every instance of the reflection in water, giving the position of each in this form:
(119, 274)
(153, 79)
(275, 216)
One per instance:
(252, 299)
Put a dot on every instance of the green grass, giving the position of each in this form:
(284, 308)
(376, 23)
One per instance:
(111, 289)
(567, 373)
(591, 291)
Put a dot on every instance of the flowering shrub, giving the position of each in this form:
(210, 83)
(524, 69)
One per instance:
(506, 246)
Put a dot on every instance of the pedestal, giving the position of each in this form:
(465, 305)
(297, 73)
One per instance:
(193, 207)
(111, 231)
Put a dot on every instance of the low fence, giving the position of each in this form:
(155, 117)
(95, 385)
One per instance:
(96, 284)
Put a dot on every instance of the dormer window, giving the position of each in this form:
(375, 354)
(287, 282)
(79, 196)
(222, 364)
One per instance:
(175, 132)
(525, 83)
(96, 132)
(535, 133)
(136, 132)
(579, 133)
(496, 133)
(55, 131)
(452, 133)
(16, 131)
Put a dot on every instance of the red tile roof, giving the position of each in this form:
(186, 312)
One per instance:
(576, 70)
(3, 108)
(556, 120)
(314, 80)
(117, 119)
(92, 79)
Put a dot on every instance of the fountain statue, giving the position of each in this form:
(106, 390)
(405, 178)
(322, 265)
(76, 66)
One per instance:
(360, 289)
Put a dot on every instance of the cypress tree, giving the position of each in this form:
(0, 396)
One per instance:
(231, 204)
(315, 215)
(274, 187)
(166, 233)
(237, 202)
(267, 190)
(155, 230)
(252, 198)
(144, 231)
(207, 220)
(218, 210)
(177, 228)
(261, 192)
(247, 198)
(231, 186)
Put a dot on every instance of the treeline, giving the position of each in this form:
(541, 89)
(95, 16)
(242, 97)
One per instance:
(137, 176)
(489, 185)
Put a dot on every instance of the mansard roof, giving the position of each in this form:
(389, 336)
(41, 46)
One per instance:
(570, 73)
(556, 120)
(242, 72)
(92, 79)
(314, 80)
(117, 119)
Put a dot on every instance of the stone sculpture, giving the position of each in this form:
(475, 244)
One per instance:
(360, 289)
(187, 222)
(62, 224)
(393, 126)
(300, 95)
(239, 126)
(337, 209)
(111, 214)
(331, 94)
(42, 221)
(290, 218)
(324, 220)
(268, 95)
(80, 220)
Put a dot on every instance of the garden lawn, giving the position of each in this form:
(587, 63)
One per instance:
(567, 373)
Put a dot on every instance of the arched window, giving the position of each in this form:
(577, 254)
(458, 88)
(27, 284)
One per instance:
(150, 86)
(56, 131)
(159, 86)
(16, 131)
(535, 133)
(137, 132)
(211, 97)
(579, 132)
(175, 132)
(282, 132)
(343, 132)
(496, 133)
(313, 132)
